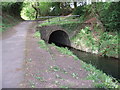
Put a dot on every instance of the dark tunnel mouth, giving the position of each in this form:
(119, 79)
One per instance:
(59, 38)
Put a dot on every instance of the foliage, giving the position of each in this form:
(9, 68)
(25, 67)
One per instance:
(30, 9)
(13, 8)
(10, 14)
(27, 12)
(7, 21)
(56, 9)
(60, 21)
(66, 51)
(41, 42)
(45, 8)
(101, 80)
(37, 34)
(84, 37)
(106, 44)
(69, 27)
(111, 20)
(108, 13)
(79, 10)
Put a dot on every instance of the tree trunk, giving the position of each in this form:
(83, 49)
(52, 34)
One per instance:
(75, 4)
(37, 11)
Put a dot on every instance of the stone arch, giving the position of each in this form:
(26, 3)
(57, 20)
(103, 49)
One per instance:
(60, 38)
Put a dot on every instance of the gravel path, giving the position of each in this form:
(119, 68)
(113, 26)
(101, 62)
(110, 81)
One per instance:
(51, 69)
(13, 46)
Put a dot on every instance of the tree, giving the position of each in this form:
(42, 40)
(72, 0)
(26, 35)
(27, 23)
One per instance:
(35, 5)
(75, 4)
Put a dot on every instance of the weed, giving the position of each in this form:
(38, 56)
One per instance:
(101, 80)
(75, 75)
(6, 23)
(64, 71)
(57, 83)
(39, 78)
(30, 60)
(63, 20)
(37, 34)
(54, 68)
(65, 51)
(43, 44)
(32, 84)
(64, 87)
(57, 76)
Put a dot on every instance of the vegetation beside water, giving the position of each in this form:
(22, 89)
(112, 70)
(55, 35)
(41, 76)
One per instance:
(99, 42)
(101, 80)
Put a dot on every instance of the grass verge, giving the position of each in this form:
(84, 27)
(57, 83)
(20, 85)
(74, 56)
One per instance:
(40, 42)
(60, 21)
(8, 21)
(101, 80)
(66, 51)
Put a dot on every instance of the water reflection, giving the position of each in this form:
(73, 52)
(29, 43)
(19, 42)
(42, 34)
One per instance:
(108, 65)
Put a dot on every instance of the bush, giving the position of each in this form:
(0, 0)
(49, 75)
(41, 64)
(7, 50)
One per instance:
(79, 10)
(109, 15)
(13, 8)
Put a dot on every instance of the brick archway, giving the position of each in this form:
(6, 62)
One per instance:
(60, 38)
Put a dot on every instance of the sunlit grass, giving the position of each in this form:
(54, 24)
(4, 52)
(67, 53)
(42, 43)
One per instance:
(59, 21)
(65, 51)
(37, 34)
(101, 80)
(7, 22)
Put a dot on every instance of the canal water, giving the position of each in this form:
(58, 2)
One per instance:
(110, 66)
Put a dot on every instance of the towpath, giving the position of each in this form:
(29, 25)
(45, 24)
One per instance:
(26, 65)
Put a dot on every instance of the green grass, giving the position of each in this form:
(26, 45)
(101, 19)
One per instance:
(64, 87)
(37, 34)
(40, 42)
(43, 44)
(7, 21)
(32, 85)
(98, 41)
(63, 20)
(66, 51)
(101, 80)
(54, 68)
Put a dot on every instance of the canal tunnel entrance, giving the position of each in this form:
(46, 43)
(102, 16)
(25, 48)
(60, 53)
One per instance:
(59, 38)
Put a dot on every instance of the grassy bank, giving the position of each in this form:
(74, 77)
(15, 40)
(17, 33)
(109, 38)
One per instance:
(61, 21)
(97, 41)
(8, 21)
(101, 80)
